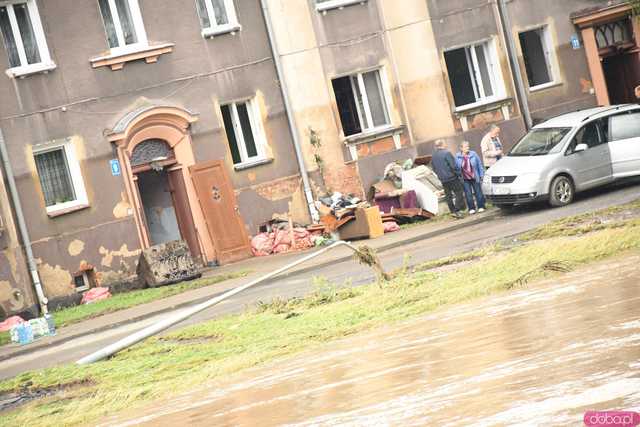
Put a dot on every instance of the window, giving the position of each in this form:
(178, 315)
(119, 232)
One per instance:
(244, 132)
(60, 178)
(625, 126)
(85, 280)
(536, 52)
(361, 102)
(323, 5)
(473, 74)
(592, 134)
(123, 24)
(24, 39)
(217, 16)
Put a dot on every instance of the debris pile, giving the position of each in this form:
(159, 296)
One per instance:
(408, 191)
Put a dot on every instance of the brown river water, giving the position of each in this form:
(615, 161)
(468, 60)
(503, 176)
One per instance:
(541, 355)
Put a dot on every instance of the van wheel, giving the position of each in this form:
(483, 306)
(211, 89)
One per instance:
(562, 191)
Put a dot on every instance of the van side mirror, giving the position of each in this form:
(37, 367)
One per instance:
(580, 147)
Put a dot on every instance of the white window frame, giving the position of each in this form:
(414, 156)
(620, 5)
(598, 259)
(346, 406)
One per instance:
(493, 68)
(257, 129)
(384, 94)
(45, 64)
(74, 172)
(215, 29)
(138, 25)
(336, 4)
(549, 56)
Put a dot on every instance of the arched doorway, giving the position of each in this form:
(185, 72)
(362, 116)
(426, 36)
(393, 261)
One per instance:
(163, 195)
(171, 194)
(611, 37)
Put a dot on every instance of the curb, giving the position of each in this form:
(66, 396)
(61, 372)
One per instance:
(383, 248)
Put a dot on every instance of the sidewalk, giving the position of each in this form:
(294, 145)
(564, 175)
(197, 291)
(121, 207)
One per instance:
(257, 266)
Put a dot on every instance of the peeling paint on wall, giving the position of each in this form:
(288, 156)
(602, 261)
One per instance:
(76, 247)
(278, 189)
(123, 208)
(55, 280)
(124, 252)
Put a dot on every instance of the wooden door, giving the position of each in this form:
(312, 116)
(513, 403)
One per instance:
(221, 213)
(183, 212)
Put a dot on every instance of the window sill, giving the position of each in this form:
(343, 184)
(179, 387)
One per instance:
(27, 70)
(373, 134)
(544, 86)
(251, 164)
(53, 212)
(212, 32)
(117, 59)
(337, 4)
(481, 105)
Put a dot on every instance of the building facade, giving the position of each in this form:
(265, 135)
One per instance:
(135, 122)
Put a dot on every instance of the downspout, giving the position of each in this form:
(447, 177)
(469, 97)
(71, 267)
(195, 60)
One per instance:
(22, 227)
(521, 93)
(315, 216)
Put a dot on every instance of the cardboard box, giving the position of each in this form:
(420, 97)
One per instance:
(367, 225)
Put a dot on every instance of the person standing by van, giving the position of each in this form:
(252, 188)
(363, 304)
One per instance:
(444, 165)
(469, 163)
(491, 147)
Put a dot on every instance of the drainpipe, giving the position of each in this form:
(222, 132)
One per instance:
(22, 227)
(292, 122)
(521, 93)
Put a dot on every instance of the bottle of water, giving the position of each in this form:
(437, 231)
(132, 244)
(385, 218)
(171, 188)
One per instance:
(51, 323)
(25, 333)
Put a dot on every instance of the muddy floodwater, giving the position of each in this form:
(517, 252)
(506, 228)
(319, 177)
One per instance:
(542, 355)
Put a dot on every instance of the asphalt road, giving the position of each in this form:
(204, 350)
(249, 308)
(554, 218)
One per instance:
(346, 273)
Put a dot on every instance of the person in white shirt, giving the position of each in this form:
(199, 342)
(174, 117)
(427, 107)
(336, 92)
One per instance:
(491, 147)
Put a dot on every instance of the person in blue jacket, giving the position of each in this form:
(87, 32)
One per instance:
(445, 167)
(469, 163)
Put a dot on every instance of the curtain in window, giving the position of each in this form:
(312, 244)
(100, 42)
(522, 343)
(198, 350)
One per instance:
(220, 12)
(231, 134)
(9, 40)
(54, 177)
(109, 25)
(247, 131)
(373, 87)
(26, 32)
(126, 21)
(203, 14)
(483, 66)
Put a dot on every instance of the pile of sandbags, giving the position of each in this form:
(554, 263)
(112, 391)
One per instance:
(281, 240)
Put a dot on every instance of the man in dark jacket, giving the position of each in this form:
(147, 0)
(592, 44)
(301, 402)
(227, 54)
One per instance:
(444, 165)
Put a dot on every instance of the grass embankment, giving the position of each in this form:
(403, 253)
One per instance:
(122, 301)
(180, 361)
(68, 316)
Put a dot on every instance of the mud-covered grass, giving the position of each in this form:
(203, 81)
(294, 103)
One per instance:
(189, 358)
(68, 316)
(614, 217)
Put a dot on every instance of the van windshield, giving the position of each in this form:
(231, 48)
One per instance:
(539, 142)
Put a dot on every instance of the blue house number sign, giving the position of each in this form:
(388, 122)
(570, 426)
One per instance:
(115, 167)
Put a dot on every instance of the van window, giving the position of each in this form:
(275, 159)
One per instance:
(589, 134)
(625, 126)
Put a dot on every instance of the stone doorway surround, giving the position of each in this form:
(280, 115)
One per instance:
(171, 124)
(587, 21)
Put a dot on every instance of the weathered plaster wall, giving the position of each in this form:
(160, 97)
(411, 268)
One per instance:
(574, 88)
(415, 54)
(198, 75)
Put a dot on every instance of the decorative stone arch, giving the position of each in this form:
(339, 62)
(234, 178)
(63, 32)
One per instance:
(171, 125)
